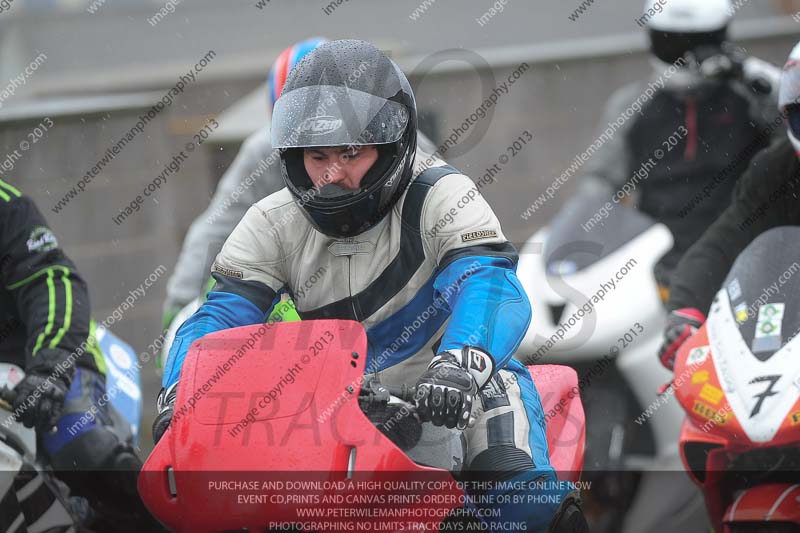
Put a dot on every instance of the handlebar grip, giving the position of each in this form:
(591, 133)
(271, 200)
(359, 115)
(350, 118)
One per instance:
(403, 392)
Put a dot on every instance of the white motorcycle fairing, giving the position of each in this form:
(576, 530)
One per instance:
(760, 405)
(634, 298)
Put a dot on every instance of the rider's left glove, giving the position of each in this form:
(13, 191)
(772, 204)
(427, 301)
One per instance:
(39, 397)
(681, 324)
(446, 390)
(166, 407)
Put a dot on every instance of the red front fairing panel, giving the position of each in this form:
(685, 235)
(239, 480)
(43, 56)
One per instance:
(778, 502)
(713, 467)
(295, 432)
(712, 425)
(698, 390)
(566, 428)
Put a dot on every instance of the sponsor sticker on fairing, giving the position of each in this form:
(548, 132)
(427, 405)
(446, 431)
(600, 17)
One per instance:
(708, 413)
(734, 289)
(711, 394)
(768, 328)
(740, 312)
(770, 318)
(698, 355)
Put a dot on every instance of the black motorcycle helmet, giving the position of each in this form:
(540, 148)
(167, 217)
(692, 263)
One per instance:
(346, 93)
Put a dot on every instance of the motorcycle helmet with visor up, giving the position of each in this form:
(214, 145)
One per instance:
(346, 94)
(789, 97)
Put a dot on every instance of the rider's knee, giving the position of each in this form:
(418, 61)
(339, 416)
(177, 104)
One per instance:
(497, 463)
(97, 449)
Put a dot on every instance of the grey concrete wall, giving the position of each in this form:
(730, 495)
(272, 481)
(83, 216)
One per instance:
(117, 44)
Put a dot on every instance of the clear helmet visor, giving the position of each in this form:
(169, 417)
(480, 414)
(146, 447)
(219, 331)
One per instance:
(327, 115)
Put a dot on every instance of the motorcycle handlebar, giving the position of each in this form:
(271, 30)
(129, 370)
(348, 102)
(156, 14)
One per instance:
(403, 392)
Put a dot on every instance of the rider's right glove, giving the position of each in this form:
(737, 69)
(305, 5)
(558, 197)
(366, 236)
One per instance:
(166, 406)
(446, 390)
(681, 324)
(39, 397)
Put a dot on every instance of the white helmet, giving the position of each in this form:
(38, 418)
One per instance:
(789, 98)
(679, 26)
(688, 16)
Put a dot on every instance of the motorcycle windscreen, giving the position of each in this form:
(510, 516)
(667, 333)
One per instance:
(267, 425)
(588, 228)
(763, 286)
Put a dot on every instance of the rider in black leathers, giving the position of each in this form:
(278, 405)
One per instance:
(45, 328)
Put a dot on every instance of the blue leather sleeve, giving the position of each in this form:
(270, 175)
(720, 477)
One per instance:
(222, 310)
(489, 307)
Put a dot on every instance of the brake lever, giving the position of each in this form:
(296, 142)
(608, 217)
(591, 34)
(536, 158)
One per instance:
(379, 391)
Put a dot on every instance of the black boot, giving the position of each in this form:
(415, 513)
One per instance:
(569, 517)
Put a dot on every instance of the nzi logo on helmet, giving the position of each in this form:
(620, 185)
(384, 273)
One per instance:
(320, 125)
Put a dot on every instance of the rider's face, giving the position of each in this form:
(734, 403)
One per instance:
(341, 165)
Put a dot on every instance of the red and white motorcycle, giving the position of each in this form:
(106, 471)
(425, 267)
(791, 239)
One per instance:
(738, 379)
(597, 308)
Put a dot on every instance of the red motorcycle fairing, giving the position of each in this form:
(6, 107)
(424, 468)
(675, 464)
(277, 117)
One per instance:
(566, 431)
(712, 438)
(698, 390)
(778, 502)
(249, 448)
